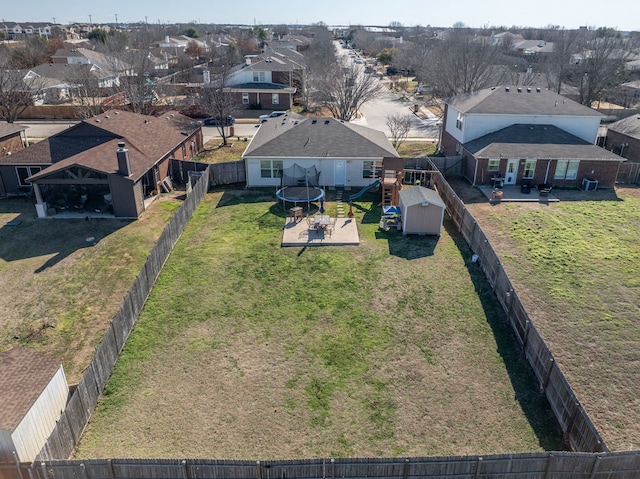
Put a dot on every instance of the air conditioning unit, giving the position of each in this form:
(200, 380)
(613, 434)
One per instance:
(589, 184)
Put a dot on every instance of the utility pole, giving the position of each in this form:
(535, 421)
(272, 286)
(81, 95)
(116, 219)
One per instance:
(54, 20)
(116, 21)
(90, 22)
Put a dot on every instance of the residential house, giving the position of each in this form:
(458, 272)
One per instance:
(630, 93)
(623, 137)
(266, 82)
(111, 163)
(526, 133)
(346, 155)
(60, 79)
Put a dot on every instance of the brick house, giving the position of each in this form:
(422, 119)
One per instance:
(623, 138)
(525, 133)
(113, 163)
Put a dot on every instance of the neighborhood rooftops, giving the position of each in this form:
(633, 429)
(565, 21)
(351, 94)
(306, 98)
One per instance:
(514, 100)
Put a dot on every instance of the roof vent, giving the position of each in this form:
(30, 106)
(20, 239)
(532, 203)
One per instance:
(116, 112)
(326, 122)
(107, 117)
(313, 122)
(519, 90)
(538, 90)
(528, 90)
(506, 89)
(97, 120)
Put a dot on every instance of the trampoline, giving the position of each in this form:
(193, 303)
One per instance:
(300, 194)
(300, 185)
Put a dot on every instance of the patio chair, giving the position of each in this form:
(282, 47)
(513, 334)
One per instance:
(545, 188)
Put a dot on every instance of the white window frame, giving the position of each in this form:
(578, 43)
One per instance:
(459, 120)
(271, 168)
(566, 169)
(372, 169)
(258, 77)
(529, 166)
(493, 164)
(458, 148)
(31, 170)
(275, 98)
(245, 98)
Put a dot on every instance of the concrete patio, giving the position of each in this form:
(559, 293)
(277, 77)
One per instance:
(513, 194)
(298, 234)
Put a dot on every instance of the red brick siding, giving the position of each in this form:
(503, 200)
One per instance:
(615, 140)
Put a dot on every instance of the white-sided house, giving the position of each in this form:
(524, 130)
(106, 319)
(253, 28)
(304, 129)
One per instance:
(33, 395)
(346, 155)
(507, 131)
(422, 211)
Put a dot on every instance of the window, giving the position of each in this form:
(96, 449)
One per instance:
(459, 121)
(529, 169)
(245, 98)
(567, 170)
(494, 165)
(371, 169)
(258, 76)
(275, 98)
(458, 149)
(270, 168)
(25, 172)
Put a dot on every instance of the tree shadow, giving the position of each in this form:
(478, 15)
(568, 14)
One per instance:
(409, 247)
(533, 402)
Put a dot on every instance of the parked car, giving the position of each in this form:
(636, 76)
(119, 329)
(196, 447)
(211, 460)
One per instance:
(273, 114)
(215, 121)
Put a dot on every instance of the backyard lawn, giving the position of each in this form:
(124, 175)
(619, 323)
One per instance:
(60, 288)
(249, 350)
(576, 266)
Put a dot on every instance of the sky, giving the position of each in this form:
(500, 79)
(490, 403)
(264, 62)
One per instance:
(473, 13)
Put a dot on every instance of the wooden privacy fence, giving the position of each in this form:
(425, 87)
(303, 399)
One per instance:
(84, 397)
(557, 465)
(227, 173)
(576, 425)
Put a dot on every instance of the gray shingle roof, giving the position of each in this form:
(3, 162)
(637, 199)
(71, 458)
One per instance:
(507, 100)
(536, 141)
(9, 129)
(628, 126)
(419, 194)
(317, 138)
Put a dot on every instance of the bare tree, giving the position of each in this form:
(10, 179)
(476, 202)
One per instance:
(318, 60)
(85, 89)
(462, 62)
(345, 89)
(17, 91)
(214, 98)
(399, 126)
(600, 65)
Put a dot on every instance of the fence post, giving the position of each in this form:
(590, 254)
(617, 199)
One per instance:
(546, 381)
(333, 468)
(259, 469)
(594, 469)
(112, 473)
(405, 471)
(478, 467)
(83, 469)
(526, 336)
(44, 470)
(15, 458)
(185, 473)
(547, 469)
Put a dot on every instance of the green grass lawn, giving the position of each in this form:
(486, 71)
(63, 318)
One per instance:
(576, 265)
(249, 350)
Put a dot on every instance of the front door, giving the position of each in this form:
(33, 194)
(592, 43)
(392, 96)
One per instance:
(512, 172)
(339, 173)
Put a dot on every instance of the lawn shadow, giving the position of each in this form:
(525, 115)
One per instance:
(408, 246)
(534, 403)
(24, 236)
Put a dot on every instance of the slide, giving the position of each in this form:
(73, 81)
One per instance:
(364, 190)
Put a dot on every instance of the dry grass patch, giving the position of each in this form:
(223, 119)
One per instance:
(59, 291)
(249, 350)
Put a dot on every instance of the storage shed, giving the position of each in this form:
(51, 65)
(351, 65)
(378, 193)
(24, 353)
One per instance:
(33, 395)
(422, 211)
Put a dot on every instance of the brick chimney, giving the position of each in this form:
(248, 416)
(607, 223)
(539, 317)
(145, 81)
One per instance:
(124, 165)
